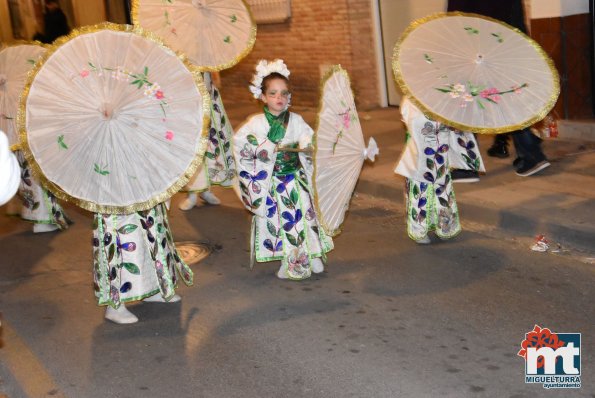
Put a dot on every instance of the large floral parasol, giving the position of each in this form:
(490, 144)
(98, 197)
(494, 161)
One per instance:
(214, 34)
(110, 119)
(475, 73)
(339, 150)
(15, 62)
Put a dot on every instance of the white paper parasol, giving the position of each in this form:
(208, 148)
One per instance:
(214, 34)
(15, 62)
(475, 73)
(113, 120)
(339, 150)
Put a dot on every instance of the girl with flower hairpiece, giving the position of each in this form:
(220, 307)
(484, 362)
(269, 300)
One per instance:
(274, 169)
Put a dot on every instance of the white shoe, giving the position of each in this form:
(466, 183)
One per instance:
(282, 273)
(39, 228)
(210, 198)
(317, 265)
(158, 298)
(424, 241)
(121, 315)
(189, 202)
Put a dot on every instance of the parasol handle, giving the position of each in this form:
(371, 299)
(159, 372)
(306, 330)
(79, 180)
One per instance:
(371, 151)
(300, 150)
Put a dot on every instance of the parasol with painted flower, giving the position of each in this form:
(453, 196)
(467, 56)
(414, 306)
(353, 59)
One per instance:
(109, 119)
(475, 73)
(339, 150)
(15, 62)
(214, 34)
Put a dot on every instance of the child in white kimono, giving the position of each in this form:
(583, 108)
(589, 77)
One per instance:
(218, 167)
(135, 258)
(275, 179)
(39, 206)
(430, 198)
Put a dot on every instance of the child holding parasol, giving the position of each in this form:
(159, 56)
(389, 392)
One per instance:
(275, 182)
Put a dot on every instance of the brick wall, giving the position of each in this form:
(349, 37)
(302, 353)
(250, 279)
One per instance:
(320, 32)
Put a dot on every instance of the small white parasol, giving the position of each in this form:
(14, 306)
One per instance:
(214, 34)
(113, 120)
(339, 150)
(475, 73)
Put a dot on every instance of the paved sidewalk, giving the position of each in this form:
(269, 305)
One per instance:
(558, 202)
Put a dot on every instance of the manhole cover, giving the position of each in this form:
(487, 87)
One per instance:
(192, 252)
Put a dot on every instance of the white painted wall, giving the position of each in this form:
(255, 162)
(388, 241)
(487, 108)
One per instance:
(395, 16)
(556, 8)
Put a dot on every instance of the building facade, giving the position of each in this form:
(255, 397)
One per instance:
(311, 35)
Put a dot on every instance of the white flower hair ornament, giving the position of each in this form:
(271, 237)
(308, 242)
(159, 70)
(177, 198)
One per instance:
(263, 69)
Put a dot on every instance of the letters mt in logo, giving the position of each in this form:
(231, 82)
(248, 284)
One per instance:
(553, 359)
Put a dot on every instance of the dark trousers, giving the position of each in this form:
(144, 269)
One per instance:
(526, 144)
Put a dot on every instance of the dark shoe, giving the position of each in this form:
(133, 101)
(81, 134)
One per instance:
(528, 169)
(459, 175)
(498, 151)
(517, 163)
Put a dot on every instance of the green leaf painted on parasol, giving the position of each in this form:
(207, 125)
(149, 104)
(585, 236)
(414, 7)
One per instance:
(100, 170)
(61, 142)
(498, 37)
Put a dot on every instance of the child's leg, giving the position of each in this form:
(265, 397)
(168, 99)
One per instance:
(210, 198)
(189, 202)
(418, 215)
(120, 315)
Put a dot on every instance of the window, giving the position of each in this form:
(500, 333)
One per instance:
(270, 11)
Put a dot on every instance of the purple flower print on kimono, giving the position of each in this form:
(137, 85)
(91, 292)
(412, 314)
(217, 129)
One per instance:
(291, 219)
(435, 161)
(253, 179)
(268, 244)
(471, 158)
(284, 181)
(271, 207)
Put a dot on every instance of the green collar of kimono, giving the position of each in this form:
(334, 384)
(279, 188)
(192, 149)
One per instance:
(276, 125)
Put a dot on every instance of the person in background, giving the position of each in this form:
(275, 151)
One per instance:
(55, 23)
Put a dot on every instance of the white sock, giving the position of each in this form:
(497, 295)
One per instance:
(317, 265)
(121, 315)
(189, 202)
(210, 198)
(158, 298)
(38, 228)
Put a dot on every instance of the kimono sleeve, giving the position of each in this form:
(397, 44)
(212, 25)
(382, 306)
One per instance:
(255, 159)
(305, 137)
(10, 172)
